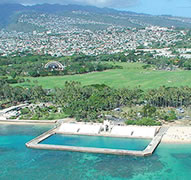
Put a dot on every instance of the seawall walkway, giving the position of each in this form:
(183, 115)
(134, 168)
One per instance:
(155, 141)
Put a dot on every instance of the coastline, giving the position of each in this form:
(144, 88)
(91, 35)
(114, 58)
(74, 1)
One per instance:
(23, 123)
(35, 122)
(28, 122)
(175, 142)
(175, 134)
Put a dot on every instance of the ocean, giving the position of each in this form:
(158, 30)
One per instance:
(169, 161)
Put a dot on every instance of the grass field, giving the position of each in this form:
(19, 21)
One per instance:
(132, 75)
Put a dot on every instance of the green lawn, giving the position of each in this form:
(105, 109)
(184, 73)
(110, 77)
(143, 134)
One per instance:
(132, 75)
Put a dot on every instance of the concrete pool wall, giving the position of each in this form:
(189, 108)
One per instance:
(35, 143)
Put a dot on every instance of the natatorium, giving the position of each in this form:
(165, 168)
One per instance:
(79, 143)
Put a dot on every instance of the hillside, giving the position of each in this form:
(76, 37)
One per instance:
(93, 18)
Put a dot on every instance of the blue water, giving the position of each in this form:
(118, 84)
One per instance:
(97, 142)
(169, 162)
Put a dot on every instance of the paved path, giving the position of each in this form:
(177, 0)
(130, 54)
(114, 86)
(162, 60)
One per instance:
(12, 108)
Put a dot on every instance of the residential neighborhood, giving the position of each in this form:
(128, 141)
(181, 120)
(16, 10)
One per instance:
(64, 36)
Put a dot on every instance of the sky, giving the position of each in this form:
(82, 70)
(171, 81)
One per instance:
(155, 7)
(165, 7)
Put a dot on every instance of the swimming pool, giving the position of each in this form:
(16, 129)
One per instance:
(98, 142)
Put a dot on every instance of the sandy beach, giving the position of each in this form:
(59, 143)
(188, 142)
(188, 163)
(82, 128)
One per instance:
(177, 134)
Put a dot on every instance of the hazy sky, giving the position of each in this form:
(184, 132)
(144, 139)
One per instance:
(170, 7)
(157, 7)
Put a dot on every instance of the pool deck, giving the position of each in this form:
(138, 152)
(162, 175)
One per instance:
(146, 152)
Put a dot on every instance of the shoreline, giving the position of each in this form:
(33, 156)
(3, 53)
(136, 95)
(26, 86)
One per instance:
(176, 142)
(174, 135)
(28, 122)
(35, 122)
(22, 123)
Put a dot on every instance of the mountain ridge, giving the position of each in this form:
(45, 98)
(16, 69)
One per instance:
(106, 15)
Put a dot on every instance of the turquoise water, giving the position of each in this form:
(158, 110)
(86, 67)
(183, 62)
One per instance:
(169, 162)
(97, 142)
